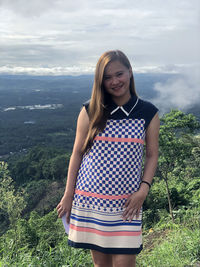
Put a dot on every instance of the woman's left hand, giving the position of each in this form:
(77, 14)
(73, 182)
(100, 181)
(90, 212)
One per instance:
(133, 205)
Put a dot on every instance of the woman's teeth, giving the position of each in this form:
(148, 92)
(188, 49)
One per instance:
(116, 88)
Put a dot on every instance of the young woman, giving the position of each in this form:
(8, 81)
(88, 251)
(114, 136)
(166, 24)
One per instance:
(105, 187)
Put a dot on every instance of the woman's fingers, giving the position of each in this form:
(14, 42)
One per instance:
(130, 211)
(67, 217)
(127, 206)
(64, 207)
(133, 206)
(137, 213)
(58, 206)
(60, 210)
(129, 214)
(127, 202)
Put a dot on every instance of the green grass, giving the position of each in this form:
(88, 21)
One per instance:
(179, 248)
(62, 255)
(41, 241)
(176, 248)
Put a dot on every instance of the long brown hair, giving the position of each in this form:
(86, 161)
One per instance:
(98, 107)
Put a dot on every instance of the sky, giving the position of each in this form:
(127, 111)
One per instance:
(55, 37)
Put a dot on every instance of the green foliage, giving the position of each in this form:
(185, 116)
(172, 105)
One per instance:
(176, 148)
(184, 194)
(180, 248)
(11, 202)
(43, 195)
(180, 122)
(41, 241)
(40, 163)
(174, 142)
(35, 191)
(46, 229)
(36, 240)
(55, 168)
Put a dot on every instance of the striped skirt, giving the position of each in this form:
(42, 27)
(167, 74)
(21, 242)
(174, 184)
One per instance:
(93, 228)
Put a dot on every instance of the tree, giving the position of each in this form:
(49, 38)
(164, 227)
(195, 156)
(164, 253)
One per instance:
(11, 202)
(175, 144)
(40, 163)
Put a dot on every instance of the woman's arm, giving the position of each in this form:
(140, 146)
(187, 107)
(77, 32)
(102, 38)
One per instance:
(135, 201)
(151, 158)
(81, 132)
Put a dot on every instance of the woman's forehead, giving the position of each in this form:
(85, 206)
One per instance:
(113, 67)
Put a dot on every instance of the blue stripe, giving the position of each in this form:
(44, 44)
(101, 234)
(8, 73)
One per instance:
(84, 217)
(105, 224)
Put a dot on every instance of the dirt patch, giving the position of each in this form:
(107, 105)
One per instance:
(153, 238)
(54, 192)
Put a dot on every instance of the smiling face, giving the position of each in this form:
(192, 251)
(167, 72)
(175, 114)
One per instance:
(116, 81)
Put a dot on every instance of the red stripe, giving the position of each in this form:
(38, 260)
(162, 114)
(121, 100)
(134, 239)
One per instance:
(118, 139)
(88, 194)
(104, 233)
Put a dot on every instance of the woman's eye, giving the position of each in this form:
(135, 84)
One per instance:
(119, 74)
(106, 78)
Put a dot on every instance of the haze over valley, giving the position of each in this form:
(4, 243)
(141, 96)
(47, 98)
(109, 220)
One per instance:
(42, 110)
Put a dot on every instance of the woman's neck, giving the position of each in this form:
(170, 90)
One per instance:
(120, 101)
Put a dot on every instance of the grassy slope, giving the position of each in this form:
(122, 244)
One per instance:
(175, 246)
(178, 247)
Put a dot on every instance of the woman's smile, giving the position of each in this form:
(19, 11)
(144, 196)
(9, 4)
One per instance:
(118, 87)
(117, 82)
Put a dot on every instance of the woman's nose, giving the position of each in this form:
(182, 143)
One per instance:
(114, 80)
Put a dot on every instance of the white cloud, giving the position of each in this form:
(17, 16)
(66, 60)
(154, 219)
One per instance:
(62, 37)
(180, 92)
(90, 68)
(72, 70)
(60, 33)
(28, 8)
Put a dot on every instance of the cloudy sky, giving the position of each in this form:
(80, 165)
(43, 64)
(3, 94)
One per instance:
(55, 37)
(67, 37)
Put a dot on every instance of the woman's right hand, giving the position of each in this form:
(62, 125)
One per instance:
(65, 206)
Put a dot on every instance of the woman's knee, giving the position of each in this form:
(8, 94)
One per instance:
(101, 259)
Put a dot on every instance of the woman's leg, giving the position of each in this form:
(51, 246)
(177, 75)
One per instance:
(101, 259)
(119, 260)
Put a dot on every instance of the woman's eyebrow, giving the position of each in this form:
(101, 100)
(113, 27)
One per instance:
(119, 71)
(107, 75)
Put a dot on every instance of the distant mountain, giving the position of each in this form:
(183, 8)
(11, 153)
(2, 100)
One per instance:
(23, 86)
(53, 103)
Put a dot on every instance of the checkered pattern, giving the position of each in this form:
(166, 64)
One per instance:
(126, 128)
(99, 204)
(112, 168)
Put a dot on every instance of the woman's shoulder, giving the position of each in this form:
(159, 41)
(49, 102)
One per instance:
(146, 110)
(86, 105)
(147, 105)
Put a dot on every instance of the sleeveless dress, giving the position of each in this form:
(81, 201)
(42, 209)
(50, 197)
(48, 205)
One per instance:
(109, 173)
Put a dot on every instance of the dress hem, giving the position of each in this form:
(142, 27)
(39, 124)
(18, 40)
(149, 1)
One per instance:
(106, 250)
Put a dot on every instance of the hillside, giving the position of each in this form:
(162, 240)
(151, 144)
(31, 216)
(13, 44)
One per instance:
(37, 132)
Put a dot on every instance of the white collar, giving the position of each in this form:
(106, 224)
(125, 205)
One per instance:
(121, 107)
